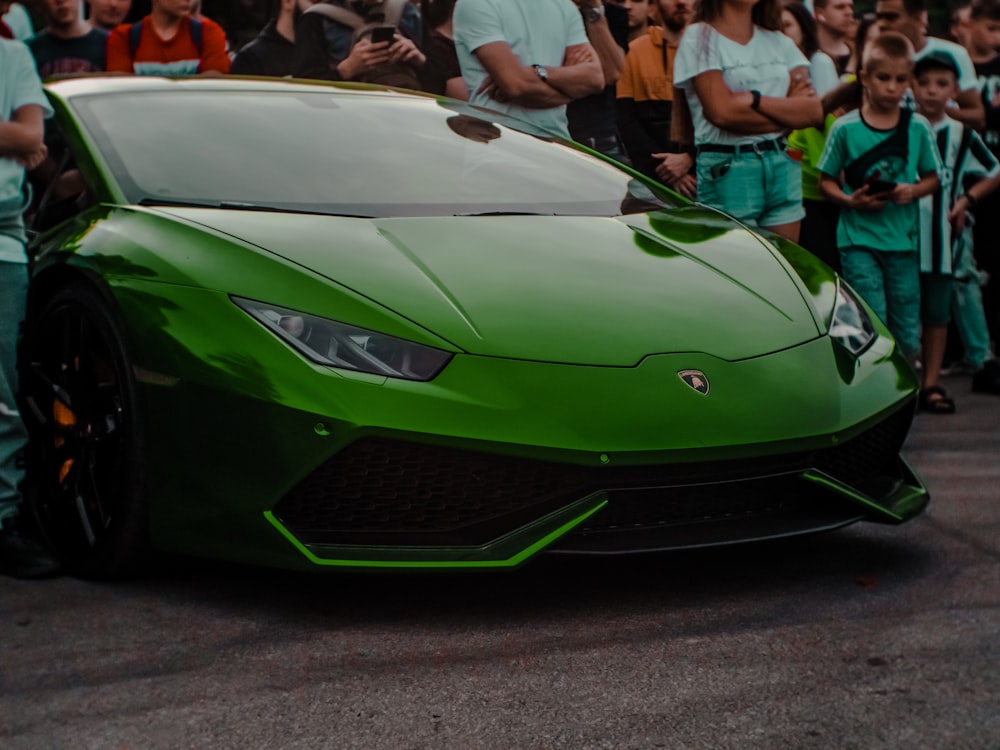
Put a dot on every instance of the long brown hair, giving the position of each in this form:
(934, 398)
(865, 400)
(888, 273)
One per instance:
(766, 13)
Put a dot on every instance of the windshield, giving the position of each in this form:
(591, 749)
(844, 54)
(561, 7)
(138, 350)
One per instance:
(345, 153)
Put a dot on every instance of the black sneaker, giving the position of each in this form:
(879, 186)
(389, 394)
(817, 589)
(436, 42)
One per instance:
(22, 556)
(987, 380)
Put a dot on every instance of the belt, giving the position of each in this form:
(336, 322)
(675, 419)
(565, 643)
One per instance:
(757, 147)
(600, 143)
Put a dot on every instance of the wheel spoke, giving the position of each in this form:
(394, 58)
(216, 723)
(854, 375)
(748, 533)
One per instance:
(81, 511)
(106, 419)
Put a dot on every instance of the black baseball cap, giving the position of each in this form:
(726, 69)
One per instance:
(938, 59)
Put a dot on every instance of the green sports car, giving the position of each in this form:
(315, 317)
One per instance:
(316, 326)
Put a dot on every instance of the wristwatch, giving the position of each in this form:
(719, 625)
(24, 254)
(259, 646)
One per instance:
(542, 72)
(593, 15)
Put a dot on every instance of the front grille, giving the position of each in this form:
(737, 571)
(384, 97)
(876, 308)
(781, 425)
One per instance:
(388, 491)
(865, 461)
(701, 503)
(391, 492)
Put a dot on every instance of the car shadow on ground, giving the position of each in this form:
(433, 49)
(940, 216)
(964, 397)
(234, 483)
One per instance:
(829, 566)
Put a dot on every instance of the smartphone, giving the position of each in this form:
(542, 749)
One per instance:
(880, 186)
(877, 185)
(383, 34)
(720, 170)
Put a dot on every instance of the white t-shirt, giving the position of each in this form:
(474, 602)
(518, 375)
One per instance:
(538, 31)
(19, 86)
(823, 72)
(763, 64)
(19, 21)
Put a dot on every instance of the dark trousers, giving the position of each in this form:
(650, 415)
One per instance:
(818, 232)
(986, 246)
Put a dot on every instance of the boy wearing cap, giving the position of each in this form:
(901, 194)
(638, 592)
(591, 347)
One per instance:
(888, 160)
(909, 18)
(970, 172)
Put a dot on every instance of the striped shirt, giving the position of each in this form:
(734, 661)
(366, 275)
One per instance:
(965, 160)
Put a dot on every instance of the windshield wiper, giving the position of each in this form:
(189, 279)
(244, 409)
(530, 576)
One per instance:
(504, 213)
(241, 206)
(174, 204)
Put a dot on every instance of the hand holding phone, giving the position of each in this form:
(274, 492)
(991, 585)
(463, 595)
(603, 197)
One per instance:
(383, 34)
(877, 185)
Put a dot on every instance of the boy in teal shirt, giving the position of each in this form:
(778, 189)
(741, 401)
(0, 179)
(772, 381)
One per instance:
(888, 160)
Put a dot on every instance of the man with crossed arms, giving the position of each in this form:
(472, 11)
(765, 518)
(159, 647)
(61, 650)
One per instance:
(526, 58)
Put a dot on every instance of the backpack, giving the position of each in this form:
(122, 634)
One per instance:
(387, 13)
(135, 35)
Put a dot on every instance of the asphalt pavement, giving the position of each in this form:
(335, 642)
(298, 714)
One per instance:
(869, 637)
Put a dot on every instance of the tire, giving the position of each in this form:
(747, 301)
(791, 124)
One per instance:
(84, 483)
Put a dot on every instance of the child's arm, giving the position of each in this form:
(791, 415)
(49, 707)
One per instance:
(861, 199)
(970, 110)
(967, 200)
(906, 192)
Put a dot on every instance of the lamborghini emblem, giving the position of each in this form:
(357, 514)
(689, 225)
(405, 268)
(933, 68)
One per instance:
(696, 379)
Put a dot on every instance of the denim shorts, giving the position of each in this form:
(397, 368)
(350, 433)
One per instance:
(760, 188)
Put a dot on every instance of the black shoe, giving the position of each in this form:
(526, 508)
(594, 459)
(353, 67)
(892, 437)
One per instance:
(935, 400)
(22, 556)
(987, 380)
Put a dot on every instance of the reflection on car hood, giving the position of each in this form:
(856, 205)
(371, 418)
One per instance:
(599, 291)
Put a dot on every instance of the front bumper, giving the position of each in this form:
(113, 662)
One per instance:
(393, 503)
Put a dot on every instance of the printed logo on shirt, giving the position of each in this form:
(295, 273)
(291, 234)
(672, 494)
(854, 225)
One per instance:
(176, 68)
(67, 65)
(744, 75)
(990, 86)
(889, 169)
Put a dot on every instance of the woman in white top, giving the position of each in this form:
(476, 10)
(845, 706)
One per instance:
(798, 25)
(746, 85)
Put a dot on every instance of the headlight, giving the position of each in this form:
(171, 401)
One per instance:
(851, 327)
(328, 342)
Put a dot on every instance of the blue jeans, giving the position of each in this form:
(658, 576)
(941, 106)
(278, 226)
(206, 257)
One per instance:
(889, 281)
(13, 296)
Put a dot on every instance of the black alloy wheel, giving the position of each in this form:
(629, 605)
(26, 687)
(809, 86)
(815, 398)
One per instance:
(84, 477)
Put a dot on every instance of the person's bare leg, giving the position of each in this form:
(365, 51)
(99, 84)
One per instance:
(788, 231)
(934, 339)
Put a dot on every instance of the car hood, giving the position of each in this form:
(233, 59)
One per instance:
(578, 290)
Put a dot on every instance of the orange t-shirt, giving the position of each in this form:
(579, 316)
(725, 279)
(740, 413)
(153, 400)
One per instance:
(649, 69)
(178, 55)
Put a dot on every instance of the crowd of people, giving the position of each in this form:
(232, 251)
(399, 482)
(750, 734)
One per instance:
(865, 139)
